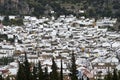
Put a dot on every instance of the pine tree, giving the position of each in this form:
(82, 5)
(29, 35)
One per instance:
(61, 72)
(108, 76)
(115, 75)
(27, 68)
(73, 68)
(40, 72)
(6, 21)
(88, 78)
(118, 74)
(1, 78)
(21, 73)
(34, 73)
(54, 73)
(46, 75)
(8, 77)
(82, 78)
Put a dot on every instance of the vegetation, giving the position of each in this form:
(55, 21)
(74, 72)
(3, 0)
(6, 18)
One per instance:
(113, 76)
(18, 21)
(46, 74)
(93, 8)
(54, 74)
(61, 71)
(34, 73)
(6, 60)
(27, 68)
(20, 73)
(6, 21)
(73, 68)
(1, 78)
(5, 37)
(25, 72)
(40, 72)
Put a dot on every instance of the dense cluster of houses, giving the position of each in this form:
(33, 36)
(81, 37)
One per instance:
(96, 49)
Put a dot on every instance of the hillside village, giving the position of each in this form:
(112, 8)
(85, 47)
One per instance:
(96, 49)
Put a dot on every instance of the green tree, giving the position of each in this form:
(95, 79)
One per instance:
(54, 73)
(107, 12)
(115, 75)
(40, 71)
(21, 73)
(1, 78)
(46, 75)
(119, 27)
(108, 76)
(73, 68)
(6, 21)
(38, 9)
(82, 78)
(34, 73)
(6, 60)
(61, 71)
(27, 68)
(17, 22)
(88, 78)
(91, 12)
(8, 77)
(118, 74)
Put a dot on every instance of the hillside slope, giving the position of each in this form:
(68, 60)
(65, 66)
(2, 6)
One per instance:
(93, 8)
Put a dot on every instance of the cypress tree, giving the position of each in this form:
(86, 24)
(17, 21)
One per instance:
(73, 68)
(46, 75)
(6, 21)
(118, 74)
(54, 73)
(40, 72)
(8, 77)
(108, 76)
(27, 68)
(1, 78)
(61, 72)
(21, 73)
(115, 75)
(34, 73)
(82, 78)
(88, 78)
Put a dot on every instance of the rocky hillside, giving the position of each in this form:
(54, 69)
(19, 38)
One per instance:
(93, 8)
(14, 7)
